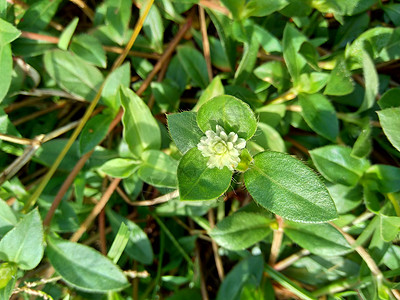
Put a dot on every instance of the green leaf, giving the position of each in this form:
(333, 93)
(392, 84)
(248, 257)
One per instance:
(8, 218)
(255, 8)
(382, 178)
(198, 182)
(154, 28)
(8, 33)
(371, 82)
(141, 131)
(320, 239)
(235, 6)
(337, 165)
(120, 167)
(346, 198)
(38, 15)
(320, 115)
(184, 130)
(83, 267)
(167, 95)
(390, 98)
(73, 74)
(311, 83)
(120, 76)
(275, 73)
(393, 12)
(67, 34)
(7, 272)
(118, 14)
(90, 49)
(229, 112)
(363, 145)
(266, 138)
(158, 169)
(139, 246)
(248, 61)
(267, 41)
(233, 231)
(6, 66)
(390, 122)
(249, 269)
(390, 227)
(194, 64)
(214, 89)
(94, 131)
(23, 244)
(119, 243)
(277, 182)
(291, 43)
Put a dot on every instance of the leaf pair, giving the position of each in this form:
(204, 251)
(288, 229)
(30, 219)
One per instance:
(277, 181)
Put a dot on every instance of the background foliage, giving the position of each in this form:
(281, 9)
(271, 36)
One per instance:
(98, 149)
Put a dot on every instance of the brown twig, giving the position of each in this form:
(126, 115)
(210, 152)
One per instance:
(276, 241)
(206, 44)
(217, 257)
(39, 113)
(86, 9)
(170, 49)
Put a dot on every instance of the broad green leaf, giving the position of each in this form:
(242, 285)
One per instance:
(275, 73)
(83, 267)
(248, 270)
(158, 169)
(271, 114)
(291, 43)
(372, 199)
(90, 49)
(120, 167)
(320, 239)
(267, 41)
(371, 82)
(393, 12)
(94, 131)
(139, 246)
(198, 182)
(346, 198)
(337, 165)
(383, 178)
(141, 131)
(215, 88)
(154, 28)
(73, 74)
(233, 231)
(67, 34)
(266, 138)
(377, 39)
(23, 244)
(390, 122)
(7, 272)
(194, 64)
(167, 95)
(235, 6)
(8, 219)
(351, 29)
(6, 66)
(39, 15)
(248, 61)
(120, 76)
(118, 15)
(277, 182)
(320, 115)
(8, 33)
(390, 98)
(229, 112)
(363, 145)
(390, 227)
(184, 130)
(311, 83)
(255, 8)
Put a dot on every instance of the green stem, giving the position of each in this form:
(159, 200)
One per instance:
(173, 240)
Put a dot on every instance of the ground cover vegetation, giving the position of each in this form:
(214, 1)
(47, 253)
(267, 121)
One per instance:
(199, 149)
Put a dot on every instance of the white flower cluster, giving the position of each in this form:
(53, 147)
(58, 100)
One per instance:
(222, 149)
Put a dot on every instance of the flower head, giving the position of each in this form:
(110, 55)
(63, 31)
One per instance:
(222, 149)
